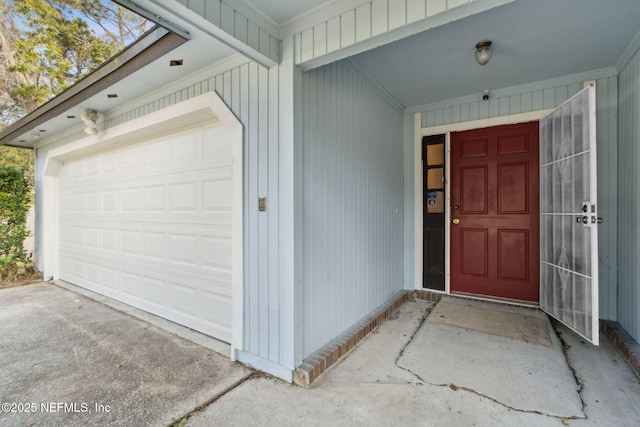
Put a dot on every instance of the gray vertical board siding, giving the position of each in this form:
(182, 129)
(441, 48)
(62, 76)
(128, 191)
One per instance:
(251, 92)
(551, 94)
(352, 185)
(409, 189)
(253, 31)
(629, 197)
(607, 158)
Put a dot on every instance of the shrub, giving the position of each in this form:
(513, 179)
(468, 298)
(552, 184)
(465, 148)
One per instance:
(14, 205)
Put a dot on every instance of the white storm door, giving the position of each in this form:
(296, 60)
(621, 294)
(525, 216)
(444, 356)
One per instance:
(568, 215)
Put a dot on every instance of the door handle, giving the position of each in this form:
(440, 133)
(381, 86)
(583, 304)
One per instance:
(456, 221)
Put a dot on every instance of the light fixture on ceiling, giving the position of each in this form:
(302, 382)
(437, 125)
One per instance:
(483, 52)
(89, 117)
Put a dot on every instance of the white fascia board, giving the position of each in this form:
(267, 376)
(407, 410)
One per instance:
(176, 12)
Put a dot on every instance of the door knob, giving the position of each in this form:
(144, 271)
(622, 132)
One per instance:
(456, 221)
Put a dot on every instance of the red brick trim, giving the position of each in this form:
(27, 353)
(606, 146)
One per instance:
(624, 342)
(329, 354)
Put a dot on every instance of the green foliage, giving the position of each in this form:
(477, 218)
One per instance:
(21, 158)
(47, 45)
(55, 49)
(14, 205)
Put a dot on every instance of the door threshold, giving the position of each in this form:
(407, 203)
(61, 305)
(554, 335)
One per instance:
(498, 300)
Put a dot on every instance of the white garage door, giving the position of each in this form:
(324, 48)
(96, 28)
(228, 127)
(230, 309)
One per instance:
(149, 224)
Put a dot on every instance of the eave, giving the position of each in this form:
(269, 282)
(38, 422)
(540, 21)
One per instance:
(151, 46)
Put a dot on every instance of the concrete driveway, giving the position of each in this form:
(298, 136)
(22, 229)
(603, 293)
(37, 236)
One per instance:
(71, 360)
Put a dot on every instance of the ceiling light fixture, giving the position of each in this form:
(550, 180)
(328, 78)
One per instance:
(483, 52)
(89, 117)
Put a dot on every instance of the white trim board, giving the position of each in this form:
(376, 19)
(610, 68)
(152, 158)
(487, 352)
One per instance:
(419, 133)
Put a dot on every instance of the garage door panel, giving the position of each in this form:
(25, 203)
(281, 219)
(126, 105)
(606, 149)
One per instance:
(131, 286)
(150, 224)
(153, 244)
(110, 201)
(154, 196)
(109, 162)
(130, 157)
(217, 195)
(156, 292)
(110, 278)
(155, 152)
(77, 268)
(217, 253)
(183, 248)
(94, 201)
(94, 275)
(184, 148)
(216, 312)
(183, 196)
(130, 198)
(77, 236)
(92, 236)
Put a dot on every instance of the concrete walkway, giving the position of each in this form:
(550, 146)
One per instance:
(59, 348)
(373, 387)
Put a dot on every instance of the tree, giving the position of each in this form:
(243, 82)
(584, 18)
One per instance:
(8, 58)
(47, 45)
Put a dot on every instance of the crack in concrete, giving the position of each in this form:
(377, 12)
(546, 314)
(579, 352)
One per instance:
(477, 393)
(422, 320)
(179, 422)
(574, 373)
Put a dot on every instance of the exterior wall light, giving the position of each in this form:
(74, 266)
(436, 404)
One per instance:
(89, 117)
(483, 52)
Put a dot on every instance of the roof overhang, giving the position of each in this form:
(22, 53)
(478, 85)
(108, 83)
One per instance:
(151, 46)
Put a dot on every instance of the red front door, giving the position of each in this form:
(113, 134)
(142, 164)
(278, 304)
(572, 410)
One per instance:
(495, 212)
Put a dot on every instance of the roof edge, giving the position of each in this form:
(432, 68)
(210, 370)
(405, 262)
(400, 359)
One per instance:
(151, 46)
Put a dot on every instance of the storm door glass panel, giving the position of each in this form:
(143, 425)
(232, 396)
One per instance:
(568, 215)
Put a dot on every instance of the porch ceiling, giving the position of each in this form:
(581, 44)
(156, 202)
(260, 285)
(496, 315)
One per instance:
(533, 40)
